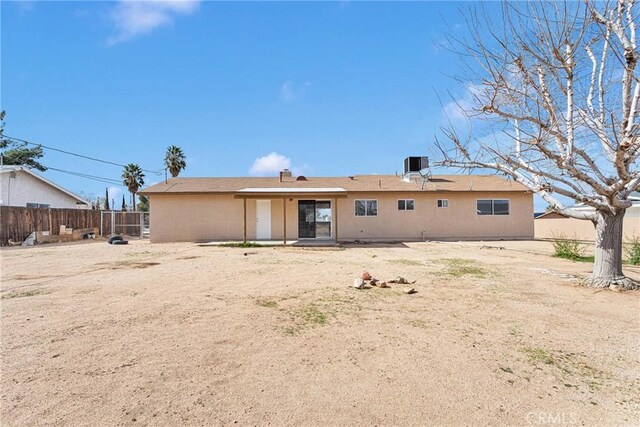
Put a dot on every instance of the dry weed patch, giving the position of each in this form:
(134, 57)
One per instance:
(459, 267)
(408, 262)
(568, 366)
(24, 294)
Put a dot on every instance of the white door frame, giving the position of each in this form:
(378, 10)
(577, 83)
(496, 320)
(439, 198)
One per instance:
(331, 227)
(263, 219)
(330, 222)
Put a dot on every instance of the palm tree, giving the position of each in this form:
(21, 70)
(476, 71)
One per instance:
(133, 179)
(174, 159)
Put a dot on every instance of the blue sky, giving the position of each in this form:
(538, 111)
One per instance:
(333, 88)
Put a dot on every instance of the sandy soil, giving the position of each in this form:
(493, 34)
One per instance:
(150, 334)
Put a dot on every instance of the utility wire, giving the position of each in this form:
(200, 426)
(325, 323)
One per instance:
(86, 176)
(158, 172)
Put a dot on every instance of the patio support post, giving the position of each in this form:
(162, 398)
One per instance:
(284, 210)
(335, 218)
(245, 221)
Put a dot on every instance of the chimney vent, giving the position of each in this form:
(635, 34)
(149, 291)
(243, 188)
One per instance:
(285, 173)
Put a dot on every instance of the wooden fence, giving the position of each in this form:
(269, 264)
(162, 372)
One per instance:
(16, 223)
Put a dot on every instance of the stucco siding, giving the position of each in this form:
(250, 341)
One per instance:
(459, 220)
(24, 188)
(220, 217)
(197, 218)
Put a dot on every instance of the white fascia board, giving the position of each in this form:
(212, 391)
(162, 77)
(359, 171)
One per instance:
(292, 190)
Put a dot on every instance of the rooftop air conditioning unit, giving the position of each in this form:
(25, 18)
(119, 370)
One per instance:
(415, 164)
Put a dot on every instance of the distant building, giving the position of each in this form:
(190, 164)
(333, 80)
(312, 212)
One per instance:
(552, 224)
(19, 186)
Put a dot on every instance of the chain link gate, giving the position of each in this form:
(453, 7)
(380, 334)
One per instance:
(118, 223)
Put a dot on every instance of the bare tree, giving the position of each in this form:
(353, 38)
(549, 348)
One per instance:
(554, 88)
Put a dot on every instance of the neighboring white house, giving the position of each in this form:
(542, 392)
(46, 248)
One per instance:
(19, 186)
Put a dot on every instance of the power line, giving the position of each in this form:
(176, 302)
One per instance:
(159, 172)
(87, 176)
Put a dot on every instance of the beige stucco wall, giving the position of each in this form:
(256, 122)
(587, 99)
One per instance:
(214, 217)
(549, 228)
(197, 218)
(459, 220)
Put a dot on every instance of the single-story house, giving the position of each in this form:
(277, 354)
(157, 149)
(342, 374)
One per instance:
(552, 224)
(411, 207)
(19, 186)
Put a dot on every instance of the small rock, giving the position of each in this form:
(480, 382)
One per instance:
(614, 288)
(358, 283)
(401, 280)
(409, 291)
(382, 285)
(374, 281)
(366, 275)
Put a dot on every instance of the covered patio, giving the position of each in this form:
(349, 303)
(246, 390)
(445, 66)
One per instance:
(294, 243)
(317, 213)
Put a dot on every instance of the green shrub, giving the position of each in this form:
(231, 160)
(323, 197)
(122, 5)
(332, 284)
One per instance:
(242, 245)
(567, 248)
(633, 251)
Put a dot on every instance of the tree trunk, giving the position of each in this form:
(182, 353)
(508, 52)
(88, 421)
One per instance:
(607, 266)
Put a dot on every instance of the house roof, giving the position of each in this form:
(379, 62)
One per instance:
(550, 215)
(358, 183)
(12, 168)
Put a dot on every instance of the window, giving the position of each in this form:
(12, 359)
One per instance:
(443, 203)
(406, 205)
(492, 207)
(366, 207)
(501, 207)
(485, 207)
(37, 205)
(32, 205)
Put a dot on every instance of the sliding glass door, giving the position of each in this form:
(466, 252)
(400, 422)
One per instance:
(306, 219)
(314, 219)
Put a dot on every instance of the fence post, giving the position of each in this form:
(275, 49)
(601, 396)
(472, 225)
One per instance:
(113, 223)
(141, 225)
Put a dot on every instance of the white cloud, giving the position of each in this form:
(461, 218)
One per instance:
(289, 91)
(134, 18)
(270, 164)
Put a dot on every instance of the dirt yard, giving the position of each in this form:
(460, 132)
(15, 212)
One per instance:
(158, 334)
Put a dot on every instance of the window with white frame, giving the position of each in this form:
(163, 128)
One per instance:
(37, 205)
(366, 208)
(406, 205)
(492, 207)
(443, 203)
